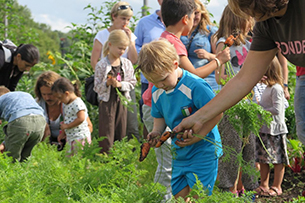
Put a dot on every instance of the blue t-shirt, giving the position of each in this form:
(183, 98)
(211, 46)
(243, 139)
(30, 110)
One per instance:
(190, 94)
(17, 104)
(149, 28)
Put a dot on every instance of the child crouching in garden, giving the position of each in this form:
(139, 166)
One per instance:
(176, 95)
(273, 136)
(26, 123)
(75, 122)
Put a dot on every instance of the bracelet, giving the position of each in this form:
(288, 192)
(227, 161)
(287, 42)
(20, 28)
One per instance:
(218, 62)
(285, 85)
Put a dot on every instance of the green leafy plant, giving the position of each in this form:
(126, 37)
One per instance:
(296, 155)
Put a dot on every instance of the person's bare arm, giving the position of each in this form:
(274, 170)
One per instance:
(158, 129)
(203, 54)
(80, 118)
(285, 71)
(47, 132)
(90, 126)
(132, 53)
(96, 53)
(213, 42)
(189, 138)
(220, 72)
(254, 68)
(207, 69)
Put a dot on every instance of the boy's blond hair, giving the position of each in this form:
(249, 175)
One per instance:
(116, 37)
(157, 57)
(116, 11)
(3, 90)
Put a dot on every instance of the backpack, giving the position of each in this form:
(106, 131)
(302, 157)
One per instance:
(7, 46)
(91, 95)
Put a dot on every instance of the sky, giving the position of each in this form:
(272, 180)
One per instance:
(61, 13)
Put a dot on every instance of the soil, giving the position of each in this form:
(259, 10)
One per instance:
(293, 185)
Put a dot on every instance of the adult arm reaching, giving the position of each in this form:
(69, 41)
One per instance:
(253, 69)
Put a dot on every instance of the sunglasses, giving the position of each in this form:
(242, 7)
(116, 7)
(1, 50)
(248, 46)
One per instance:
(124, 7)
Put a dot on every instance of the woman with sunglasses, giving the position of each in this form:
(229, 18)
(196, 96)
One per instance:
(121, 14)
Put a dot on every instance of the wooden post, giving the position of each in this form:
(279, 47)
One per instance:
(144, 9)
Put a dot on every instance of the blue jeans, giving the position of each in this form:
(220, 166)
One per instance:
(299, 107)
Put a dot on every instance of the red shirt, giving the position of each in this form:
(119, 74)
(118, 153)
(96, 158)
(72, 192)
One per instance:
(300, 71)
(146, 96)
(181, 51)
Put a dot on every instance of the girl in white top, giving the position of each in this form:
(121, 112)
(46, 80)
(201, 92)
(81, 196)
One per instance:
(75, 122)
(273, 136)
(113, 73)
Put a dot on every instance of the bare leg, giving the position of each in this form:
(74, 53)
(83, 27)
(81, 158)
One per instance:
(240, 185)
(183, 193)
(279, 171)
(257, 166)
(264, 171)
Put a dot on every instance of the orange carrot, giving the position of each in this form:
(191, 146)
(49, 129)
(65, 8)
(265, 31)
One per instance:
(164, 137)
(145, 147)
(230, 40)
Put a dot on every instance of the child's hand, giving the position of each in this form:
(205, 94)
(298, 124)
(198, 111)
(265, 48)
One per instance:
(153, 138)
(110, 80)
(263, 79)
(113, 82)
(186, 139)
(203, 54)
(116, 84)
(64, 126)
(224, 55)
(2, 148)
(61, 136)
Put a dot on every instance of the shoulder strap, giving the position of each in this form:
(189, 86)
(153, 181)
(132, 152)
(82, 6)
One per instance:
(7, 54)
(191, 39)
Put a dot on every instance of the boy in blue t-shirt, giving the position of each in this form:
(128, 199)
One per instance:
(176, 95)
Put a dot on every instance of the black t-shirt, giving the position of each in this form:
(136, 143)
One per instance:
(1, 58)
(287, 33)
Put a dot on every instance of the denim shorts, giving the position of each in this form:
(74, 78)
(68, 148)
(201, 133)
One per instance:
(299, 107)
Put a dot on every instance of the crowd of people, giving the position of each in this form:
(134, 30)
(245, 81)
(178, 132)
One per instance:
(185, 89)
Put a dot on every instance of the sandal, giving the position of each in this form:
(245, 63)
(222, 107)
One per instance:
(235, 193)
(260, 191)
(241, 192)
(273, 191)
